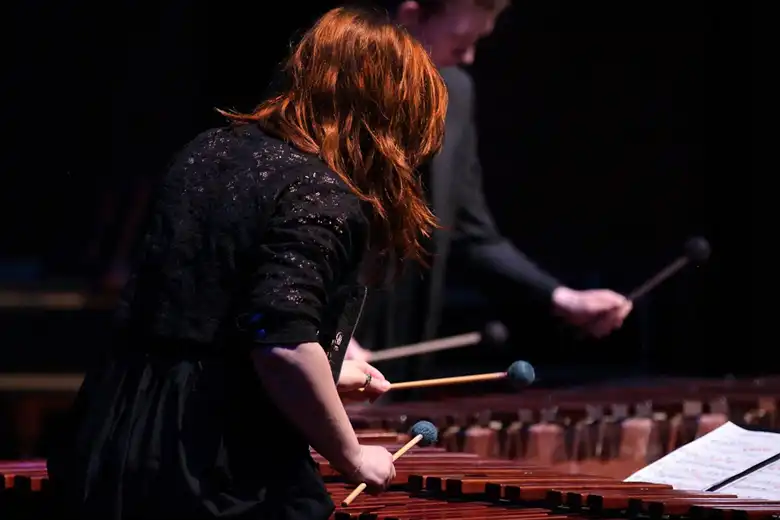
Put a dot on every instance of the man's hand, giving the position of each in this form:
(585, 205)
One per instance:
(357, 353)
(352, 382)
(598, 312)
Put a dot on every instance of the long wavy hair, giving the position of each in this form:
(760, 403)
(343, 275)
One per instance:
(363, 95)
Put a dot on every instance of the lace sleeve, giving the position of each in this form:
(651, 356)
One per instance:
(315, 237)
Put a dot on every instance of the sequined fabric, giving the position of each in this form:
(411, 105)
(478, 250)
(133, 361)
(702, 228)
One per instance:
(248, 239)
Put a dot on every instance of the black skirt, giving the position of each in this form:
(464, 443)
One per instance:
(165, 437)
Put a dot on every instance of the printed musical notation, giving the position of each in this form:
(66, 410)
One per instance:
(764, 483)
(711, 459)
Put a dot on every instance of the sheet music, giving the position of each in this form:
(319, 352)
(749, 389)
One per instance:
(764, 483)
(711, 459)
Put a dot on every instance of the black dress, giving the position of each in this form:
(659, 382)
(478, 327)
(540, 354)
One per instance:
(250, 243)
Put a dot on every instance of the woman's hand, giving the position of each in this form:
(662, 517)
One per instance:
(359, 381)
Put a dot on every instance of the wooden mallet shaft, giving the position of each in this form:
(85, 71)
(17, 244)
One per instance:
(697, 250)
(426, 347)
(362, 487)
(656, 280)
(425, 383)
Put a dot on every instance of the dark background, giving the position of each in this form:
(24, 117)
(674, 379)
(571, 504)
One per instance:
(610, 132)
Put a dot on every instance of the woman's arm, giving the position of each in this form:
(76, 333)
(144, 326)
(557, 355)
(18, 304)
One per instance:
(298, 381)
(314, 240)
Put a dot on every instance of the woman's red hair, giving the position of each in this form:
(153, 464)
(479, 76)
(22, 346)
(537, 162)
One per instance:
(362, 94)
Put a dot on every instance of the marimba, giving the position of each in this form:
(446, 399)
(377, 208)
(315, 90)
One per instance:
(591, 419)
(443, 485)
(434, 484)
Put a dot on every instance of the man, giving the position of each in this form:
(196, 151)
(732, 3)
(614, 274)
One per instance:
(410, 311)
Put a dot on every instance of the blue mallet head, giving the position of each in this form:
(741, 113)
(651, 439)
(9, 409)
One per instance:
(429, 432)
(520, 374)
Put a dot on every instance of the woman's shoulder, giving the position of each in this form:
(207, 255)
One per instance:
(248, 147)
(251, 170)
(298, 171)
(243, 145)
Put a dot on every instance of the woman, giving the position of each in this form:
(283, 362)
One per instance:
(235, 321)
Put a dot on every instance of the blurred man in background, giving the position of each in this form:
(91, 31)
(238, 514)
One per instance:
(410, 309)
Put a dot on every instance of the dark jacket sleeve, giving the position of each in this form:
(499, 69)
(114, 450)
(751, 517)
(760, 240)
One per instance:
(476, 239)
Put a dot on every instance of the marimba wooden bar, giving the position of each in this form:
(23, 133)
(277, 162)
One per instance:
(456, 485)
(434, 484)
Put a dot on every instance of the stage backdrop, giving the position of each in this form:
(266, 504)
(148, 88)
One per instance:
(608, 136)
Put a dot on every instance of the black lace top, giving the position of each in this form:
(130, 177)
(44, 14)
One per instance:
(251, 242)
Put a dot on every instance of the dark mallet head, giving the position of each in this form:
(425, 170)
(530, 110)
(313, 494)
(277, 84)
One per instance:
(430, 435)
(520, 374)
(697, 249)
(495, 334)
